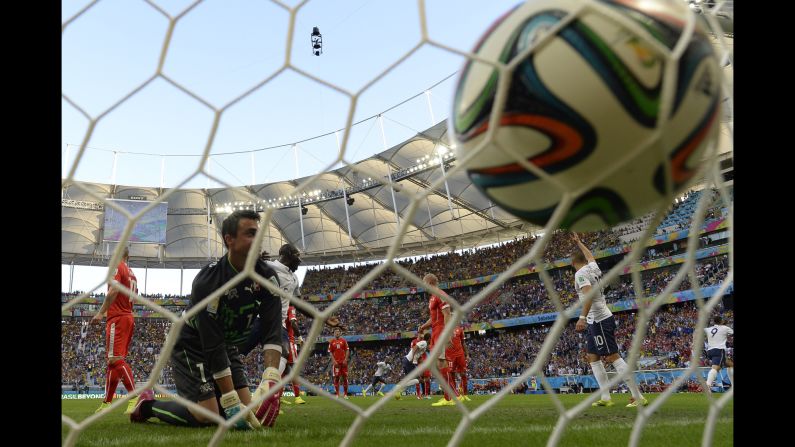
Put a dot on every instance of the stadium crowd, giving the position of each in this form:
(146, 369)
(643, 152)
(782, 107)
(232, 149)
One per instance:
(452, 266)
(502, 353)
(517, 297)
(497, 353)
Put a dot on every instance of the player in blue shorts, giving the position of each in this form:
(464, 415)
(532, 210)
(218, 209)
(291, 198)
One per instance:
(597, 319)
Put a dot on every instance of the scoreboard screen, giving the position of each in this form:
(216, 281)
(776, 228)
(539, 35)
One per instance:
(150, 228)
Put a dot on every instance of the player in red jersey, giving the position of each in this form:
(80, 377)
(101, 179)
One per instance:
(292, 353)
(338, 348)
(410, 362)
(426, 379)
(426, 382)
(424, 385)
(456, 360)
(118, 333)
(440, 316)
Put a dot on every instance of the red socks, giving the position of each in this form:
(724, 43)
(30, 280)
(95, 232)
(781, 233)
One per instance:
(116, 371)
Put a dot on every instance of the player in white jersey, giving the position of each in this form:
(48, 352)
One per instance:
(600, 324)
(285, 267)
(716, 348)
(410, 361)
(382, 368)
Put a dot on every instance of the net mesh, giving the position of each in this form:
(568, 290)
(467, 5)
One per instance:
(710, 177)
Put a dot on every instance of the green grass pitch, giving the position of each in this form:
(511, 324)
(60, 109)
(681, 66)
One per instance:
(525, 420)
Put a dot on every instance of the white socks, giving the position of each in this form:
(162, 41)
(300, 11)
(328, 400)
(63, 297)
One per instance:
(410, 382)
(620, 365)
(601, 378)
(713, 373)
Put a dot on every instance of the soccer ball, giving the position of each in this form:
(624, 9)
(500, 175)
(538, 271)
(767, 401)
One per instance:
(588, 107)
(422, 345)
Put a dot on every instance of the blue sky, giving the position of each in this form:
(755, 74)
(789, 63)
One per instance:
(223, 48)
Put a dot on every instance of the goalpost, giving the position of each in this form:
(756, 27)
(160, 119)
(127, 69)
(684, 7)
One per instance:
(711, 178)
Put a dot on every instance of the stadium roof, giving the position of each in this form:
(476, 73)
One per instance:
(468, 219)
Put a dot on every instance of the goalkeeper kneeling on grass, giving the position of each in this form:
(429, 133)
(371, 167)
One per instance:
(206, 359)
